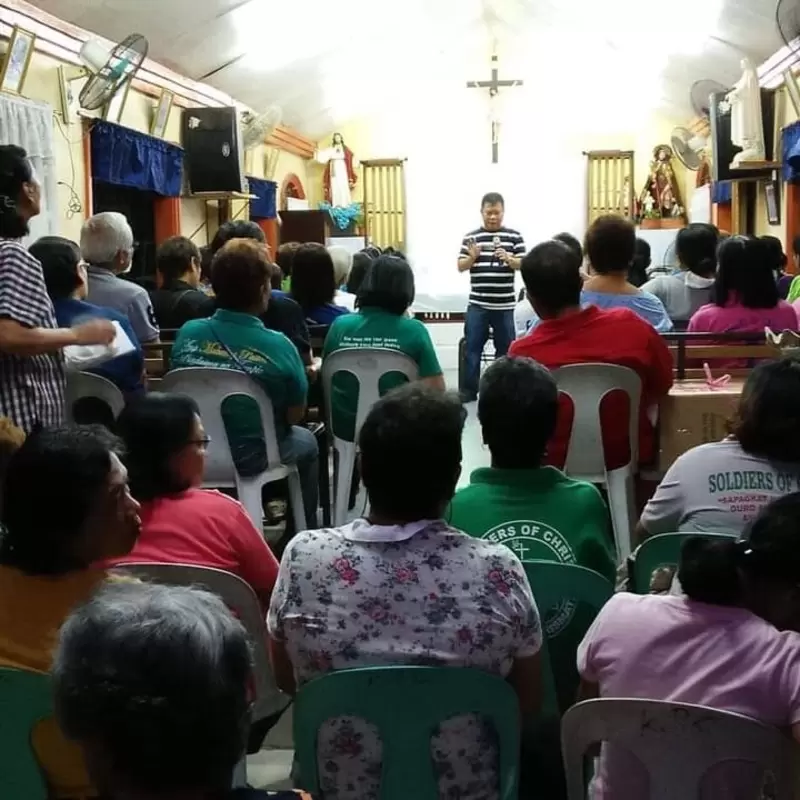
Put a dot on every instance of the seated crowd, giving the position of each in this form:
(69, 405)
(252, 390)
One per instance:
(155, 685)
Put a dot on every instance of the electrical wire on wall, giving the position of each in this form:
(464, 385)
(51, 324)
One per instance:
(74, 204)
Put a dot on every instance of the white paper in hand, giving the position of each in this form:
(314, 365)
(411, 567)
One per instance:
(80, 357)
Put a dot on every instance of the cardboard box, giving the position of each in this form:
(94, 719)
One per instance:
(694, 414)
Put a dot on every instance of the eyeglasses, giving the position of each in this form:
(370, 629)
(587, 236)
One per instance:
(201, 443)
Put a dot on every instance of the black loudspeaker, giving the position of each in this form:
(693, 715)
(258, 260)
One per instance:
(723, 150)
(212, 149)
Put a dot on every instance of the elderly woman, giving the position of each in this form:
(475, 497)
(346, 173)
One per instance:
(235, 338)
(66, 280)
(384, 297)
(282, 313)
(720, 486)
(165, 453)
(314, 284)
(174, 664)
(31, 363)
(66, 508)
(107, 247)
(342, 264)
(402, 586)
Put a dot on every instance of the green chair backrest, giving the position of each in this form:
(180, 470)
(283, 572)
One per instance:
(406, 705)
(663, 550)
(25, 699)
(553, 584)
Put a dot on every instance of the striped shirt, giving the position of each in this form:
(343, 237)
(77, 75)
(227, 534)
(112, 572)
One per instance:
(31, 387)
(492, 281)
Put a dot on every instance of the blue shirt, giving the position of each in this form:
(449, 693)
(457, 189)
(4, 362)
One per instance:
(124, 371)
(644, 304)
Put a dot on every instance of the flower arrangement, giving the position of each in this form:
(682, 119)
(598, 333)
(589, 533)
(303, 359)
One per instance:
(343, 216)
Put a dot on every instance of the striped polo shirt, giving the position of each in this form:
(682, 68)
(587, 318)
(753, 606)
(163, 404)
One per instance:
(31, 387)
(491, 281)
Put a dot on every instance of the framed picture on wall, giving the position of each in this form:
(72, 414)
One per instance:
(17, 60)
(158, 126)
(772, 197)
(112, 112)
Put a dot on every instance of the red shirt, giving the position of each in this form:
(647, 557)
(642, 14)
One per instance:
(613, 336)
(205, 528)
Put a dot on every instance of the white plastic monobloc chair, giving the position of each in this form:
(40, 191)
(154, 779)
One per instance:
(368, 365)
(86, 384)
(209, 388)
(586, 385)
(241, 599)
(676, 743)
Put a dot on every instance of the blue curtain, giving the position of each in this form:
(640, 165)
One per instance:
(126, 157)
(263, 207)
(791, 152)
(722, 191)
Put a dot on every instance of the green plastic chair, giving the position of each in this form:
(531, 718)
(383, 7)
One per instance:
(552, 584)
(663, 550)
(406, 705)
(25, 700)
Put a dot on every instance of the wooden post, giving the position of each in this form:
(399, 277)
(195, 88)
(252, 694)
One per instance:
(270, 228)
(167, 218)
(86, 143)
(792, 212)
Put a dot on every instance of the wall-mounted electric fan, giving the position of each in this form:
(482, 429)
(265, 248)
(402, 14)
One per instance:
(257, 127)
(787, 18)
(688, 148)
(110, 70)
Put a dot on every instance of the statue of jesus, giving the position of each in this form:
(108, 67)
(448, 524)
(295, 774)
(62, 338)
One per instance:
(340, 175)
(747, 122)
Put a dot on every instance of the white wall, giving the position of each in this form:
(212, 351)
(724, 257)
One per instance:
(541, 171)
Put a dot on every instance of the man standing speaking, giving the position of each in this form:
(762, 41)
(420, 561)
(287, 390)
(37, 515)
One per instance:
(491, 254)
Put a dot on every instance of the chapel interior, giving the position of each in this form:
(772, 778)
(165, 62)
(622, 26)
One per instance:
(362, 123)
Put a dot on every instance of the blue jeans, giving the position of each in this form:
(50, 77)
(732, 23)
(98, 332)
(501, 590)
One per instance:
(476, 330)
(299, 447)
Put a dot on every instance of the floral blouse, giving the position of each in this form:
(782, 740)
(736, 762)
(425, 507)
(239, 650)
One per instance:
(364, 595)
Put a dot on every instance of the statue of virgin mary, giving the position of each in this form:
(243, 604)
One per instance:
(747, 122)
(340, 175)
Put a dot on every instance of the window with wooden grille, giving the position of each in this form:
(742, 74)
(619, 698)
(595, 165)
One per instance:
(609, 179)
(385, 202)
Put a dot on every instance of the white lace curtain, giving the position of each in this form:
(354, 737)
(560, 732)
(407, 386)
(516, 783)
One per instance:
(30, 125)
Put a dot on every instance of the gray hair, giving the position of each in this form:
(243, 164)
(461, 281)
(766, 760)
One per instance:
(342, 262)
(104, 235)
(154, 680)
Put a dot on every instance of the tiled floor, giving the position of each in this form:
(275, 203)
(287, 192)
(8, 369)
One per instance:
(270, 768)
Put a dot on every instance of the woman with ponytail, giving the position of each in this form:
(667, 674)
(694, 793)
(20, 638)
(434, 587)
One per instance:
(729, 642)
(683, 293)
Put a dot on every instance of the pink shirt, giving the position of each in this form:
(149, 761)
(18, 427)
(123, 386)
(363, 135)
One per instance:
(206, 529)
(661, 647)
(712, 318)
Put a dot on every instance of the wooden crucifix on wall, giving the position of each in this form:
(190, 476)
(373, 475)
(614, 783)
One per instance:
(494, 85)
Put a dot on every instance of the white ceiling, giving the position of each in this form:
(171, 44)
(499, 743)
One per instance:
(327, 61)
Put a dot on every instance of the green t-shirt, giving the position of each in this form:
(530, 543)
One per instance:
(269, 358)
(543, 515)
(794, 290)
(373, 327)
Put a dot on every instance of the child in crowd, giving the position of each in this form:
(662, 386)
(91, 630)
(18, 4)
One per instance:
(728, 643)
